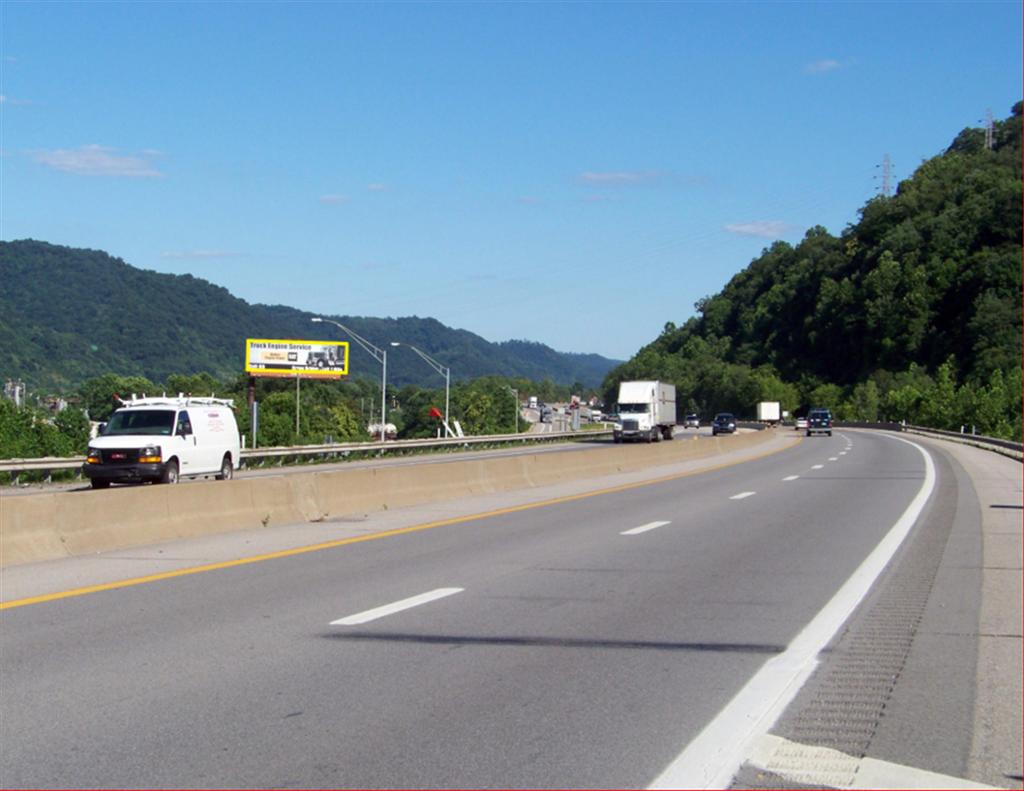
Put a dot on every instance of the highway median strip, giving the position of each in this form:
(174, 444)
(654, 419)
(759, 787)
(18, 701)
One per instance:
(321, 546)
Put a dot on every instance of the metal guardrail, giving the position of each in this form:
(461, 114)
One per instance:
(1008, 447)
(51, 464)
(55, 463)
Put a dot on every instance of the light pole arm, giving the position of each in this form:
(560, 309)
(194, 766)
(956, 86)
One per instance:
(380, 356)
(374, 351)
(444, 371)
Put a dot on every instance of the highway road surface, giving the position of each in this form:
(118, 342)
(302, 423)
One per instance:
(689, 632)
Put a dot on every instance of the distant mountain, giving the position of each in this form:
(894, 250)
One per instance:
(67, 315)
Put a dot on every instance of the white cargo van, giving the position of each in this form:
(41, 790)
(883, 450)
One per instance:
(164, 439)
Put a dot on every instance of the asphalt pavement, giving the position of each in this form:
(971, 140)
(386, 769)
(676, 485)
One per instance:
(582, 641)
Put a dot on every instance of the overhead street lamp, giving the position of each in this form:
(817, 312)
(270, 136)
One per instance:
(380, 356)
(444, 370)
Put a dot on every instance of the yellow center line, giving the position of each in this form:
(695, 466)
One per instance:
(227, 564)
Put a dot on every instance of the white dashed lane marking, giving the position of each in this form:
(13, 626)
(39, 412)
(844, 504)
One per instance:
(742, 495)
(791, 477)
(398, 606)
(643, 528)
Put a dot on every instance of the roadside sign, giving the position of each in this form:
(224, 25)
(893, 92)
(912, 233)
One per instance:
(317, 359)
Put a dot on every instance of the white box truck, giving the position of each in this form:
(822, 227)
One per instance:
(647, 411)
(769, 412)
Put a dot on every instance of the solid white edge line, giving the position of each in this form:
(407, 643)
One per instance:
(398, 606)
(712, 759)
(822, 766)
(635, 531)
(742, 495)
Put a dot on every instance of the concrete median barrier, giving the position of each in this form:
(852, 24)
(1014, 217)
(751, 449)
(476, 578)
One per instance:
(54, 525)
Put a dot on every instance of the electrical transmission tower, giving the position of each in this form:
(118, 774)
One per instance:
(886, 166)
(990, 131)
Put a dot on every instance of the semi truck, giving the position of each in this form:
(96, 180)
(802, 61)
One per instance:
(769, 412)
(647, 411)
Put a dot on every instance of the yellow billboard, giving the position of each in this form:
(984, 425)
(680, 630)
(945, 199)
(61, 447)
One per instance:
(266, 357)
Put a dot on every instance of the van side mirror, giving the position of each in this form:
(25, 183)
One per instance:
(102, 428)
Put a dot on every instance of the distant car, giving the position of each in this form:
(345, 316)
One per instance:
(819, 421)
(801, 424)
(724, 423)
(691, 421)
(596, 416)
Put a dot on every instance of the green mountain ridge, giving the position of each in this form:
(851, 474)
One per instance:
(67, 315)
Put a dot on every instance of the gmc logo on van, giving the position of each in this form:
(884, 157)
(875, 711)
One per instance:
(118, 456)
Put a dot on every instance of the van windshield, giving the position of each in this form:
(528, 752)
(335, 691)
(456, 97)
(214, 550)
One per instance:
(141, 421)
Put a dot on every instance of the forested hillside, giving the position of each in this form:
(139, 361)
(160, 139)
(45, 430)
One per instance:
(68, 315)
(912, 313)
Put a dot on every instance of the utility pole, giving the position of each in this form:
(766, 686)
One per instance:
(990, 130)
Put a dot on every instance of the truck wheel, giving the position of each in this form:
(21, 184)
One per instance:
(667, 434)
(100, 484)
(227, 471)
(169, 474)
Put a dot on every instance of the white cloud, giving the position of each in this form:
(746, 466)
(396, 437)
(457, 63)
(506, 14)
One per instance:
(377, 187)
(334, 200)
(822, 66)
(620, 177)
(193, 255)
(767, 229)
(94, 160)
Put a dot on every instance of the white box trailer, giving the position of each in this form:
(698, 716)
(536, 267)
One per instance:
(769, 411)
(647, 411)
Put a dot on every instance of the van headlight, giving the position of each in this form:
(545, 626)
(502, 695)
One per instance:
(150, 455)
(93, 456)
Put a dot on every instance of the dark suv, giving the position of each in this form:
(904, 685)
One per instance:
(724, 423)
(819, 421)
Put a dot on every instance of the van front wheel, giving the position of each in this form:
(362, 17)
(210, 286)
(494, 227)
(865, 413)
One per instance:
(226, 470)
(170, 472)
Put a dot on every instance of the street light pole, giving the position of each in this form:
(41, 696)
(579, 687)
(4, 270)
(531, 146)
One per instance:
(444, 370)
(516, 394)
(380, 356)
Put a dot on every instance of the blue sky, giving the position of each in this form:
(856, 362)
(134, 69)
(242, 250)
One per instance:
(577, 174)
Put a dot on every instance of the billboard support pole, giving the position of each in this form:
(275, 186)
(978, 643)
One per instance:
(297, 380)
